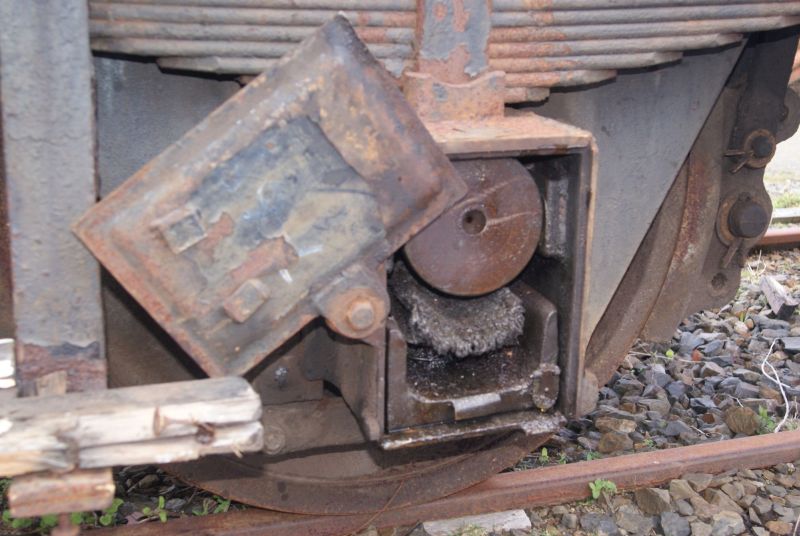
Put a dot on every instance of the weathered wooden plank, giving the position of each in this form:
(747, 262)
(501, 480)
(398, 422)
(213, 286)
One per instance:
(51, 493)
(780, 301)
(233, 439)
(149, 424)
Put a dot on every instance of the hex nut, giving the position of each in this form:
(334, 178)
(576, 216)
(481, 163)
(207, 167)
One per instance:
(361, 314)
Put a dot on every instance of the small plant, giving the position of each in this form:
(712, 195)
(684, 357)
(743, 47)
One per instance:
(157, 512)
(110, 514)
(592, 455)
(649, 443)
(215, 505)
(16, 523)
(669, 354)
(47, 522)
(768, 424)
(544, 457)
(562, 458)
(789, 199)
(83, 518)
(601, 486)
(39, 524)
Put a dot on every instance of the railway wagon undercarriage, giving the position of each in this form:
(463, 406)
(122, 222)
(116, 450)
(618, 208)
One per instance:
(425, 232)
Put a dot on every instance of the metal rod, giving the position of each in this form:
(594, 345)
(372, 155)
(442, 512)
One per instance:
(523, 5)
(599, 61)
(215, 15)
(610, 46)
(380, 5)
(647, 29)
(234, 32)
(176, 47)
(634, 15)
(558, 78)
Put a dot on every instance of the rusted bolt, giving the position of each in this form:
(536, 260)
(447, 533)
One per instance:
(763, 146)
(246, 300)
(361, 314)
(747, 219)
(274, 439)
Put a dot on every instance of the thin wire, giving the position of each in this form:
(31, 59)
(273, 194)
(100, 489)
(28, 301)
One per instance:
(777, 379)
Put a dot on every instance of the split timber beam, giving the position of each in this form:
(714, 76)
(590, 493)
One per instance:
(160, 423)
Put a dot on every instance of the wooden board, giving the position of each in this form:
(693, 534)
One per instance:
(149, 424)
(78, 491)
(780, 300)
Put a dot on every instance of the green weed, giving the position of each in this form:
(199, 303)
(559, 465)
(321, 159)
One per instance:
(601, 486)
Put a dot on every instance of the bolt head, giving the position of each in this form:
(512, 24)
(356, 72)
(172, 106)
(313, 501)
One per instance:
(274, 440)
(361, 314)
(748, 219)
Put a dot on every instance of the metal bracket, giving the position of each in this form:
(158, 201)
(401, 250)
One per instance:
(261, 217)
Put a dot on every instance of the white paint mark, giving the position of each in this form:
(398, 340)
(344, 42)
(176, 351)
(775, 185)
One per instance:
(286, 275)
(5, 425)
(310, 250)
(6, 368)
(496, 522)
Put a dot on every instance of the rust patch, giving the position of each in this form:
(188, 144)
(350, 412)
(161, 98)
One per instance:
(439, 101)
(272, 255)
(84, 366)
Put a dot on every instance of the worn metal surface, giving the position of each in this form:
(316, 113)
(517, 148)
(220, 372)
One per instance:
(422, 389)
(567, 179)
(485, 240)
(136, 101)
(634, 299)
(638, 158)
(453, 37)
(523, 489)
(555, 43)
(49, 180)
(754, 108)
(308, 476)
(357, 480)
(437, 100)
(216, 249)
(654, 295)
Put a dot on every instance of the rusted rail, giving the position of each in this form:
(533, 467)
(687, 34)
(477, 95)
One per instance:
(781, 238)
(536, 487)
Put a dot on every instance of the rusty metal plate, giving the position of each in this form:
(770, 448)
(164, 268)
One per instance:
(315, 171)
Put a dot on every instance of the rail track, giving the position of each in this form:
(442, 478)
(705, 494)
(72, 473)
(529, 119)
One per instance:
(521, 489)
(781, 238)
